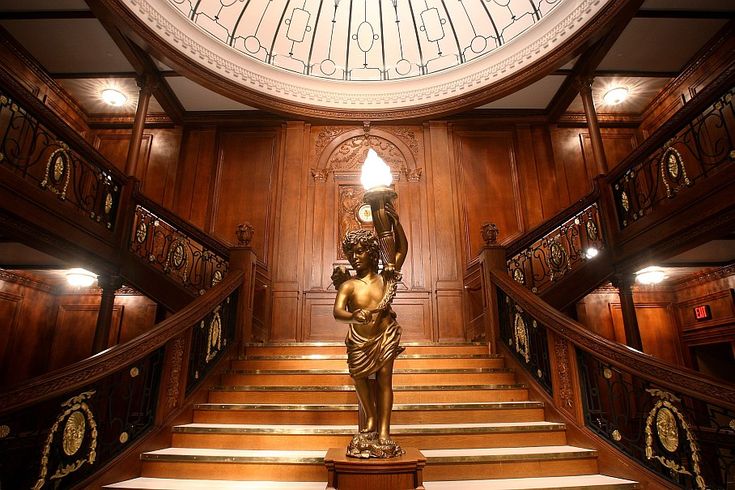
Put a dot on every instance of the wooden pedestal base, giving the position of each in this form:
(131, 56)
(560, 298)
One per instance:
(401, 473)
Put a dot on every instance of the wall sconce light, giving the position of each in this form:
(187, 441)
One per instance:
(650, 275)
(80, 278)
(113, 97)
(615, 95)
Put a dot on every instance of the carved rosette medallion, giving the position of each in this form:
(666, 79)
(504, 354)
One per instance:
(624, 202)
(141, 232)
(108, 203)
(216, 278)
(592, 232)
(79, 431)
(520, 337)
(557, 256)
(673, 171)
(214, 337)
(667, 421)
(667, 429)
(518, 276)
(58, 171)
(177, 257)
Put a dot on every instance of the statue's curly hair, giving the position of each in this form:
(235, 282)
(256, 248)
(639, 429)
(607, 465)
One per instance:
(367, 239)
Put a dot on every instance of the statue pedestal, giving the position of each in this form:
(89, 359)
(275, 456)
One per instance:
(401, 473)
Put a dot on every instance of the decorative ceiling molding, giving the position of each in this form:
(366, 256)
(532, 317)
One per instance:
(181, 43)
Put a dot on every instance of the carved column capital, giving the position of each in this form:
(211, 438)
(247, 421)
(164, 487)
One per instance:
(584, 83)
(109, 282)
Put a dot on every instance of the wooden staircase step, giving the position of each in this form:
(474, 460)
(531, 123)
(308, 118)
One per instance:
(182, 484)
(300, 348)
(525, 411)
(577, 482)
(346, 394)
(313, 437)
(327, 377)
(502, 462)
(339, 361)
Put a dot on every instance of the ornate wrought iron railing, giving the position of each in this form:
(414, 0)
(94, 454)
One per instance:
(526, 338)
(688, 441)
(40, 155)
(171, 246)
(58, 430)
(210, 340)
(561, 246)
(677, 423)
(696, 148)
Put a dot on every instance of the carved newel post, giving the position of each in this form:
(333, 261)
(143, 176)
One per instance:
(492, 256)
(243, 258)
(364, 302)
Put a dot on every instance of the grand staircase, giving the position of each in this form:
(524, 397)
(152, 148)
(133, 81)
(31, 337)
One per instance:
(277, 411)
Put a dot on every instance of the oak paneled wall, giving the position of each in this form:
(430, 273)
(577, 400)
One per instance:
(42, 328)
(157, 161)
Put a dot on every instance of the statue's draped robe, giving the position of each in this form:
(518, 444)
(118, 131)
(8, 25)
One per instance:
(366, 356)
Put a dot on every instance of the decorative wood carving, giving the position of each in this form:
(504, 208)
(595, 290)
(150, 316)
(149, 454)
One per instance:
(561, 351)
(174, 379)
(350, 202)
(326, 136)
(244, 234)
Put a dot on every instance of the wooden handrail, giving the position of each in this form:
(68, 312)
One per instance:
(687, 381)
(96, 367)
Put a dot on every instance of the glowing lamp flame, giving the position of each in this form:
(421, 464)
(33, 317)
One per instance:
(375, 173)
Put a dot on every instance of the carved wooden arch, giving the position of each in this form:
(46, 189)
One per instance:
(399, 156)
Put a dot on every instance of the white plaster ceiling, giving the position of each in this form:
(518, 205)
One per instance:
(197, 98)
(535, 96)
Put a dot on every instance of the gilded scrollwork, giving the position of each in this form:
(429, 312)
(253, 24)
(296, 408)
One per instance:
(520, 337)
(666, 421)
(79, 430)
(214, 337)
(58, 171)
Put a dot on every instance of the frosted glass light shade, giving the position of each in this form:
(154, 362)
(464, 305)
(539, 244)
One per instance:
(375, 173)
(615, 96)
(114, 97)
(650, 275)
(80, 278)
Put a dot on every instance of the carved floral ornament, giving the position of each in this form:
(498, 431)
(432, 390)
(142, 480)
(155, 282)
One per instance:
(74, 429)
(668, 424)
(349, 156)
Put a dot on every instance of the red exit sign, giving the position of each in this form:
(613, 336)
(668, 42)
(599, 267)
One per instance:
(702, 312)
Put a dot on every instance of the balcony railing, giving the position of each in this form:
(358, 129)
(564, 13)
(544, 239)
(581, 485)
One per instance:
(60, 429)
(704, 146)
(51, 161)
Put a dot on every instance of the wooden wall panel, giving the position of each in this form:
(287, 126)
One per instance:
(196, 173)
(138, 317)
(74, 331)
(157, 163)
(659, 332)
(618, 144)
(490, 186)
(28, 336)
(246, 166)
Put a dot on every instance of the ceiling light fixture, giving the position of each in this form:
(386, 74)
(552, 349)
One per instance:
(80, 278)
(591, 252)
(650, 275)
(615, 95)
(114, 97)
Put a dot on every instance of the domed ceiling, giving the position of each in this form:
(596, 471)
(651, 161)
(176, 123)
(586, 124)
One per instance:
(366, 59)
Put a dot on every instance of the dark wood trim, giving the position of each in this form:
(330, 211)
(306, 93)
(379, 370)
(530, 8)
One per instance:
(142, 63)
(110, 121)
(46, 14)
(621, 73)
(121, 74)
(685, 14)
(587, 63)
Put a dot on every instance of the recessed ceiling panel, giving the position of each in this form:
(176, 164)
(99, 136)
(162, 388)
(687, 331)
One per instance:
(659, 44)
(87, 92)
(363, 57)
(194, 97)
(641, 92)
(69, 45)
(535, 96)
